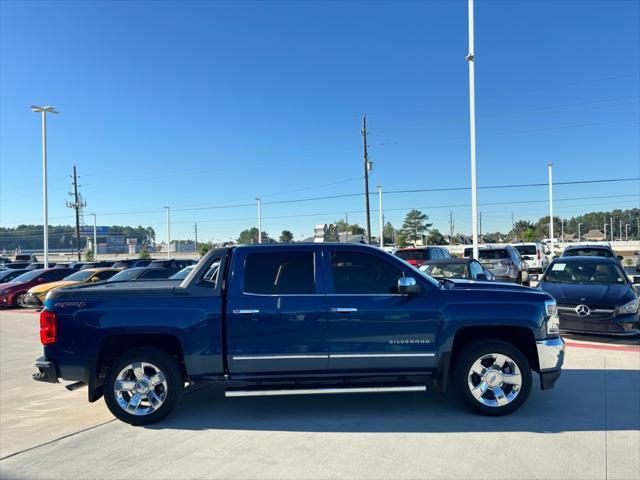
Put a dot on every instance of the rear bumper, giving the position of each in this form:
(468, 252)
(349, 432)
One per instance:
(550, 360)
(47, 371)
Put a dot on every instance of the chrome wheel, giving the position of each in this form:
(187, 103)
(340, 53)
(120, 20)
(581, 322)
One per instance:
(494, 380)
(140, 388)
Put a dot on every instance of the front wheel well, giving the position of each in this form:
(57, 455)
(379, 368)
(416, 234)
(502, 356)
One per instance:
(113, 346)
(520, 337)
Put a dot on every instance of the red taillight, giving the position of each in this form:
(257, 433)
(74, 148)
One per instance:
(538, 251)
(47, 327)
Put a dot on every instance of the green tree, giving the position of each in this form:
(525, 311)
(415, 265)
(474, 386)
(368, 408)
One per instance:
(250, 236)
(354, 228)
(401, 241)
(286, 237)
(88, 255)
(203, 248)
(388, 232)
(144, 254)
(435, 237)
(529, 235)
(415, 224)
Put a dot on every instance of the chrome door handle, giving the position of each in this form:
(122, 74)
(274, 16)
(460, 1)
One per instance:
(344, 310)
(247, 311)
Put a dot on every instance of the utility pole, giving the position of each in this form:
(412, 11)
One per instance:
(380, 218)
(480, 227)
(95, 238)
(579, 237)
(620, 230)
(562, 230)
(611, 220)
(513, 227)
(76, 205)
(470, 58)
(626, 232)
(195, 230)
(259, 219)
(367, 167)
(168, 210)
(605, 230)
(346, 221)
(451, 227)
(550, 166)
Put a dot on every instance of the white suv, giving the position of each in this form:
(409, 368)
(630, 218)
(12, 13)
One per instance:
(534, 254)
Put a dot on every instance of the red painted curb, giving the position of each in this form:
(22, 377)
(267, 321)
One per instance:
(620, 348)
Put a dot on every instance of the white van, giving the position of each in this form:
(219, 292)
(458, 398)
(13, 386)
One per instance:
(534, 254)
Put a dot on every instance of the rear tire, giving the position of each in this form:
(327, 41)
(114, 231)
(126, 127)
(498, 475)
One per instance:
(18, 300)
(143, 386)
(492, 377)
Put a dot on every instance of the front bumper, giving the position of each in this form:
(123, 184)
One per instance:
(607, 323)
(550, 360)
(47, 371)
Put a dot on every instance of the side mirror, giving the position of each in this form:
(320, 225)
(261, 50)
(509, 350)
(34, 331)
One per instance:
(534, 277)
(408, 286)
(620, 257)
(481, 276)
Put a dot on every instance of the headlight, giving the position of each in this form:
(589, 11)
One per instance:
(553, 321)
(629, 307)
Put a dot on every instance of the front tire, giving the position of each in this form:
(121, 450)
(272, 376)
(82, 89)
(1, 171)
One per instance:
(143, 386)
(18, 300)
(492, 377)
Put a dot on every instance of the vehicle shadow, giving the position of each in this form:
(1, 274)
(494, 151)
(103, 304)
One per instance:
(578, 403)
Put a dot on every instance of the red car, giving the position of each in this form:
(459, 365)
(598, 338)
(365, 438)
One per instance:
(12, 293)
(417, 256)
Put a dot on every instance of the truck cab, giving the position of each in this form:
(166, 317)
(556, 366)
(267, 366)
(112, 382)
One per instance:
(300, 319)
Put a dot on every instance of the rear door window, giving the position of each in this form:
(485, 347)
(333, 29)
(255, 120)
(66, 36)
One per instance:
(275, 273)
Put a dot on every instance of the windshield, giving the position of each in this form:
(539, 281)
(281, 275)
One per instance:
(446, 270)
(182, 274)
(494, 254)
(8, 274)
(412, 254)
(27, 277)
(130, 274)
(588, 252)
(79, 276)
(526, 249)
(584, 272)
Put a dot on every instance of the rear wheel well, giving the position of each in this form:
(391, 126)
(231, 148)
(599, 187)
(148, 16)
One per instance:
(112, 347)
(520, 337)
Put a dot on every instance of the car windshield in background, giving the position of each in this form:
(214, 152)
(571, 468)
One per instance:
(130, 274)
(412, 254)
(526, 249)
(27, 277)
(493, 254)
(588, 252)
(584, 272)
(79, 276)
(451, 270)
(182, 274)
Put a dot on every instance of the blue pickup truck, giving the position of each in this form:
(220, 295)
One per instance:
(299, 319)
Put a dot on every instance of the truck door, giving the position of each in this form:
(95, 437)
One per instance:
(276, 315)
(371, 326)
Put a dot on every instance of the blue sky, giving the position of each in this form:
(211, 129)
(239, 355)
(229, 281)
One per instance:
(211, 104)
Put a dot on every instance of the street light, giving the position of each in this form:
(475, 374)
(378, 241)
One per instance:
(259, 219)
(470, 58)
(44, 111)
(168, 209)
(95, 238)
(579, 237)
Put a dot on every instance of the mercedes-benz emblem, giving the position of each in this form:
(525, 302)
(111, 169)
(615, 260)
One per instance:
(583, 310)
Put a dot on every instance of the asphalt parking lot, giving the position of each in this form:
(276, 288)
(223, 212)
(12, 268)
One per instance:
(587, 427)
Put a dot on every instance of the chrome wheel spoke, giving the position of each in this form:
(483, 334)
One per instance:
(138, 371)
(512, 378)
(157, 379)
(154, 400)
(479, 390)
(124, 385)
(501, 398)
(478, 368)
(499, 361)
(133, 403)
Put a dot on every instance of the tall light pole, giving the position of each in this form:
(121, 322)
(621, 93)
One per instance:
(259, 200)
(470, 58)
(550, 167)
(611, 220)
(95, 238)
(620, 230)
(380, 221)
(367, 167)
(45, 200)
(579, 237)
(168, 210)
(626, 232)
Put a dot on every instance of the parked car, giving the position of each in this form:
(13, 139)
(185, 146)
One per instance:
(26, 257)
(39, 265)
(12, 294)
(456, 268)
(182, 274)
(177, 264)
(534, 254)
(36, 295)
(299, 319)
(591, 251)
(505, 263)
(594, 295)
(84, 265)
(130, 263)
(143, 273)
(17, 265)
(9, 274)
(637, 254)
(417, 256)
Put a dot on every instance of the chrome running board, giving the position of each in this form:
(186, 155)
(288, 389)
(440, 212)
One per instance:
(316, 391)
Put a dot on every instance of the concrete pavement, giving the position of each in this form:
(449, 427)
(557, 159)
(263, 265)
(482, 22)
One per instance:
(587, 427)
